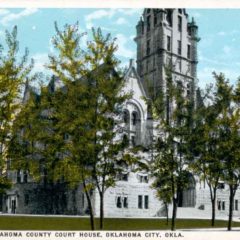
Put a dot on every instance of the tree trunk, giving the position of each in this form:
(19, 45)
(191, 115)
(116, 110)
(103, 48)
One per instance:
(213, 201)
(89, 206)
(167, 218)
(174, 214)
(231, 198)
(101, 210)
(213, 212)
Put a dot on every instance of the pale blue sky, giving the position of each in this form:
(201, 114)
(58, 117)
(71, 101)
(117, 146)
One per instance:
(219, 30)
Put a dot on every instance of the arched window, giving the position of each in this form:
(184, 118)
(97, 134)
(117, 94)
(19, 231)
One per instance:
(126, 116)
(134, 118)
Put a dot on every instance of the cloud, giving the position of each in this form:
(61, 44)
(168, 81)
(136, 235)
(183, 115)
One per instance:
(40, 59)
(98, 14)
(16, 16)
(123, 51)
(205, 75)
(226, 50)
(34, 28)
(121, 21)
(221, 33)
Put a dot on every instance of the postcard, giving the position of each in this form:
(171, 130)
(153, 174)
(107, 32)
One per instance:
(119, 120)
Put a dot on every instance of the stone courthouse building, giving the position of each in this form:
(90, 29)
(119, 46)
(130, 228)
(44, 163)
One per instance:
(163, 37)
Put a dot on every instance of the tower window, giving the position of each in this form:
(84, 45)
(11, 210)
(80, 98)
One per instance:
(180, 10)
(168, 43)
(188, 51)
(148, 47)
(148, 23)
(169, 17)
(179, 47)
(147, 66)
(155, 20)
(179, 23)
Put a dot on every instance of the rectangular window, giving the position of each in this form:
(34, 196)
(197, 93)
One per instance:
(122, 177)
(219, 205)
(140, 205)
(179, 47)
(18, 176)
(221, 186)
(179, 23)
(168, 43)
(146, 201)
(188, 51)
(148, 23)
(133, 140)
(119, 202)
(223, 205)
(236, 205)
(125, 202)
(143, 179)
(148, 50)
(25, 177)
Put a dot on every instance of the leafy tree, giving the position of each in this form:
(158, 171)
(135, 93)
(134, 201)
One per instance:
(90, 110)
(36, 145)
(73, 110)
(215, 141)
(13, 74)
(170, 164)
(204, 147)
(227, 98)
(107, 98)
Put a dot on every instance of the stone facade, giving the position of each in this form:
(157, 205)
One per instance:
(165, 37)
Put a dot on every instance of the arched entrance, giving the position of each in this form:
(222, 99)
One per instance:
(187, 197)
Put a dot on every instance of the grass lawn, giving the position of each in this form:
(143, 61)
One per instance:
(57, 223)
